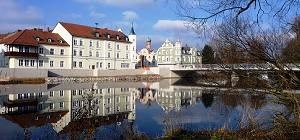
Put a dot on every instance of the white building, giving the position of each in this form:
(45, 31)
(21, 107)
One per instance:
(96, 48)
(177, 55)
(69, 46)
(147, 56)
(34, 48)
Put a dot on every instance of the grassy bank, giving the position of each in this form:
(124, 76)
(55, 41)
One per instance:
(23, 81)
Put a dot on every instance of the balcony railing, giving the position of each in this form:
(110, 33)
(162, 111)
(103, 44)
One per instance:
(21, 54)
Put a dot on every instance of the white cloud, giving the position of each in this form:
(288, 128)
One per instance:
(120, 3)
(17, 15)
(170, 25)
(130, 15)
(97, 15)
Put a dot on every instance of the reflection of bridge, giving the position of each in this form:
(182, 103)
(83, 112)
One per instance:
(223, 67)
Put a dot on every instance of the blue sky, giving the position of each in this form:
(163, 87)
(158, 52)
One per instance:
(156, 19)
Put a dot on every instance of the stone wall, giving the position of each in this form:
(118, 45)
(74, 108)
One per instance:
(22, 73)
(118, 72)
(69, 73)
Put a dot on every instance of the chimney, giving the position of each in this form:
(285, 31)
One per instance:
(48, 29)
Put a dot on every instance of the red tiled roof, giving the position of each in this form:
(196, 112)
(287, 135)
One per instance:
(28, 120)
(90, 32)
(28, 37)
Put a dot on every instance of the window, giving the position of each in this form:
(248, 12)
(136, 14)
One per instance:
(108, 45)
(75, 42)
(26, 49)
(100, 65)
(61, 64)
(32, 63)
(133, 48)
(91, 53)
(74, 92)
(61, 104)
(19, 96)
(80, 64)
(108, 36)
(40, 94)
(91, 43)
(118, 47)
(62, 52)
(80, 53)
(108, 65)
(124, 65)
(97, 44)
(97, 64)
(37, 39)
(97, 34)
(108, 100)
(127, 47)
(20, 62)
(49, 40)
(118, 55)
(51, 63)
(51, 106)
(40, 106)
(51, 94)
(26, 63)
(126, 56)
(61, 93)
(108, 54)
(74, 64)
(80, 92)
(75, 53)
(81, 42)
(25, 96)
(51, 51)
(118, 38)
(20, 48)
(41, 50)
(97, 54)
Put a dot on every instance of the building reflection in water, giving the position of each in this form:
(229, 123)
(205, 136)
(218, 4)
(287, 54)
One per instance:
(80, 111)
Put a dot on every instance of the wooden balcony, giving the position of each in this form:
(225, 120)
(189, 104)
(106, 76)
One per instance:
(21, 54)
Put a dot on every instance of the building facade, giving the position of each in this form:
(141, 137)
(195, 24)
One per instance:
(146, 57)
(34, 48)
(177, 55)
(97, 48)
(69, 46)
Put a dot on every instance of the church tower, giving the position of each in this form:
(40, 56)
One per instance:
(132, 38)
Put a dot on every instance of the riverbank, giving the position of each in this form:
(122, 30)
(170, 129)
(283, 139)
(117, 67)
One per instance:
(127, 78)
(54, 80)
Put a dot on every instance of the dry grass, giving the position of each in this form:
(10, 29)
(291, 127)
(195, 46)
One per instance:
(24, 81)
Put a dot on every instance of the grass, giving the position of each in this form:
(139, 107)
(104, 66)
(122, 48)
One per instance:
(24, 81)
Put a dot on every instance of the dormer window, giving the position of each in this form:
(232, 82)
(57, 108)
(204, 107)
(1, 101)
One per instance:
(60, 41)
(37, 38)
(118, 38)
(49, 40)
(97, 35)
(126, 38)
(108, 36)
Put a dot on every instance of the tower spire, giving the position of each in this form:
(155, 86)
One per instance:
(132, 30)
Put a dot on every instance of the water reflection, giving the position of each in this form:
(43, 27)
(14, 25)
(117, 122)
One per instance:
(118, 110)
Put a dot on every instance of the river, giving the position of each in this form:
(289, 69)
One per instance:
(114, 110)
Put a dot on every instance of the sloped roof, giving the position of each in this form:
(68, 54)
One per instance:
(90, 32)
(28, 120)
(28, 37)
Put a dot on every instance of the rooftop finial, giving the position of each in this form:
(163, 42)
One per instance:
(96, 23)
